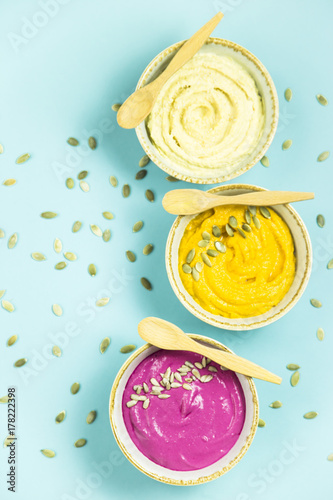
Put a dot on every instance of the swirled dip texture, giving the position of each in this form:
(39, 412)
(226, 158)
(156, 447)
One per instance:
(193, 428)
(254, 273)
(208, 117)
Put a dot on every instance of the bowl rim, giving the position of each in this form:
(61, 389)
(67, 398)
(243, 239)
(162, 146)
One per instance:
(275, 107)
(216, 320)
(167, 480)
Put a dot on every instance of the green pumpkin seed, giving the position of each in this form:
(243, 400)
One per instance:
(38, 256)
(22, 158)
(84, 186)
(252, 210)
(8, 441)
(150, 195)
(261, 423)
(107, 215)
(80, 442)
(320, 220)
(323, 156)
(75, 388)
(102, 302)
(48, 215)
(9, 182)
(212, 253)
(107, 235)
(57, 245)
(140, 175)
(20, 362)
(11, 341)
(322, 100)
(4, 399)
(316, 303)
(70, 256)
(220, 247)
(8, 306)
(72, 141)
(294, 379)
(206, 236)
(206, 260)
(247, 216)
(148, 249)
(1, 149)
(82, 175)
(195, 274)
(256, 222)
(104, 345)
(2, 233)
(126, 190)
(96, 230)
(56, 351)
(57, 310)
(310, 414)
(92, 270)
(199, 267)
(186, 268)
(144, 161)
(70, 183)
(190, 256)
(265, 212)
(264, 161)
(2, 293)
(330, 457)
(12, 241)
(292, 367)
(60, 266)
(320, 334)
(288, 94)
(92, 143)
(137, 226)
(60, 417)
(76, 226)
(170, 178)
(233, 222)
(91, 417)
(246, 227)
(216, 231)
(113, 181)
(229, 231)
(146, 283)
(48, 453)
(330, 264)
(131, 256)
(276, 404)
(241, 232)
(287, 144)
(203, 243)
(128, 348)
(115, 107)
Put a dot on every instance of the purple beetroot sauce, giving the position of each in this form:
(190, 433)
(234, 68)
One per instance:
(193, 428)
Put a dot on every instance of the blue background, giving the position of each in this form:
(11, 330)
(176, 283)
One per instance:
(59, 80)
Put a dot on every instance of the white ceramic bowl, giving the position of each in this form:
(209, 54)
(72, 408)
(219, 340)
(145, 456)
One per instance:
(265, 86)
(303, 253)
(163, 474)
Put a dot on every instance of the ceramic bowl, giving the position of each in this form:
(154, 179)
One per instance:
(266, 89)
(163, 474)
(303, 253)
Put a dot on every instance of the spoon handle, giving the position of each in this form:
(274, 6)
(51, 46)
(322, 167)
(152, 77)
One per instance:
(261, 198)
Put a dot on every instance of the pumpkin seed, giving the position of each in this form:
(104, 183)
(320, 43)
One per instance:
(48, 215)
(76, 226)
(22, 158)
(82, 175)
(144, 161)
(137, 226)
(60, 417)
(126, 190)
(261, 423)
(206, 236)
(91, 417)
(220, 247)
(187, 387)
(150, 195)
(80, 442)
(330, 264)
(116, 106)
(70, 183)
(131, 256)
(9, 182)
(294, 379)
(1, 149)
(57, 309)
(256, 222)
(96, 230)
(48, 453)
(265, 212)
(276, 404)
(292, 367)
(2, 293)
(320, 334)
(253, 210)
(190, 256)
(195, 274)
(170, 178)
(199, 267)
(2, 233)
(107, 215)
(102, 302)
(246, 228)
(320, 220)
(12, 241)
(322, 100)
(60, 266)
(57, 245)
(247, 216)
(323, 156)
(315, 303)
(113, 181)
(288, 94)
(8, 306)
(92, 270)
(330, 457)
(72, 141)
(206, 260)
(106, 235)
(128, 348)
(4, 399)
(148, 249)
(216, 231)
(264, 161)
(84, 186)
(104, 344)
(146, 283)
(310, 414)
(75, 388)
(92, 143)
(287, 144)
(56, 351)
(241, 232)
(186, 268)
(20, 362)
(70, 256)
(141, 174)
(212, 253)
(38, 256)
(11, 341)
(203, 243)
(229, 231)
(233, 222)
(129, 404)
(8, 441)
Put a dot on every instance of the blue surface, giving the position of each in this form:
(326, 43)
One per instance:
(61, 82)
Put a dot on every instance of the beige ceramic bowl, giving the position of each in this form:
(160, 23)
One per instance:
(303, 253)
(265, 86)
(181, 478)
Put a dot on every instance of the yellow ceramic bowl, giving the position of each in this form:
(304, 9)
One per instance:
(151, 469)
(303, 253)
(265, 86)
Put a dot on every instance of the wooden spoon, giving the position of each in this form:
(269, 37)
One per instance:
(193, 201)
(165, 335)
(138, 106)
